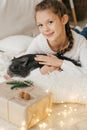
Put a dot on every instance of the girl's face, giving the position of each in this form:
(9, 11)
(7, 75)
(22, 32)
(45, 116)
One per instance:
(50, 25)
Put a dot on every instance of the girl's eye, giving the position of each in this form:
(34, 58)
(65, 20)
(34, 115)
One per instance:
(40, 25)
(50, 22)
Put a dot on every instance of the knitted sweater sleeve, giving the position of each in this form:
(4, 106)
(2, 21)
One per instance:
(70, 68)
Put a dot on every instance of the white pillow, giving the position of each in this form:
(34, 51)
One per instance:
(15, 44)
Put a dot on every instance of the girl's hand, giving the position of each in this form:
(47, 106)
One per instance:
(49, 60)
(47, 69)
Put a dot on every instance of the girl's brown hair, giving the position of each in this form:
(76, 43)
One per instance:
(59, 9)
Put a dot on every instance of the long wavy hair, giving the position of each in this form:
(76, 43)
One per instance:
(59, 9)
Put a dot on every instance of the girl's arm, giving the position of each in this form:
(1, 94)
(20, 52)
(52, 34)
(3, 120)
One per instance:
(65, 65)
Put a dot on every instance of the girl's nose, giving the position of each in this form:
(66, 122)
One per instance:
(46, 28)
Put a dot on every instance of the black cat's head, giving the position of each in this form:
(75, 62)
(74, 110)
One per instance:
(18, 67)
(23, 65)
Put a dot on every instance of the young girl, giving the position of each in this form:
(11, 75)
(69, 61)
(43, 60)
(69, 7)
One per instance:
(56, 37)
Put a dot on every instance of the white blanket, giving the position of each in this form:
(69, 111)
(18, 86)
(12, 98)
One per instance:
(5, 58)
(64, 87)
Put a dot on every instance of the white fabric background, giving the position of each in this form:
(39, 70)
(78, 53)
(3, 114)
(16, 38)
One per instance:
(17, 17)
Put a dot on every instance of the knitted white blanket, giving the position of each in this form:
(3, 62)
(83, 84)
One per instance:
(65, 88)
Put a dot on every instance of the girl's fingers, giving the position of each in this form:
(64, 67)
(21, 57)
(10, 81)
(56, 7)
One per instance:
(45, 63)
(41, 58)
(50, 59)
(50, 55)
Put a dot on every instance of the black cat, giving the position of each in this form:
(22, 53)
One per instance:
(23, 65)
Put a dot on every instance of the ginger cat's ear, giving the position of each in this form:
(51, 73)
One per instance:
(65, 19)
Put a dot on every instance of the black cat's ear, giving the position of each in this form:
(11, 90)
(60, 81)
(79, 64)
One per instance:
(24, 60)
(13, 59)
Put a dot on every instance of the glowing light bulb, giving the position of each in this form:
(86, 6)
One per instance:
(47, 109)
(23, 123)
(23, 128)
(40, 126)
(65, 105)
(58, 113)
(50, 110)
(37, 120)
(49, 114)
(47, 91)
(61, 123)
(64, 113)
(70, 109)
(75, 109)
(43, 125)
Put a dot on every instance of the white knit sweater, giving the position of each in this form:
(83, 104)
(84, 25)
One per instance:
(78, 53)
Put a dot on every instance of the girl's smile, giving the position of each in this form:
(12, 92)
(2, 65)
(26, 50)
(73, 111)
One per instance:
(48, 35)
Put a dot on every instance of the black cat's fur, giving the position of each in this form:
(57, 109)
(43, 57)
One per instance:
(23, 65)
